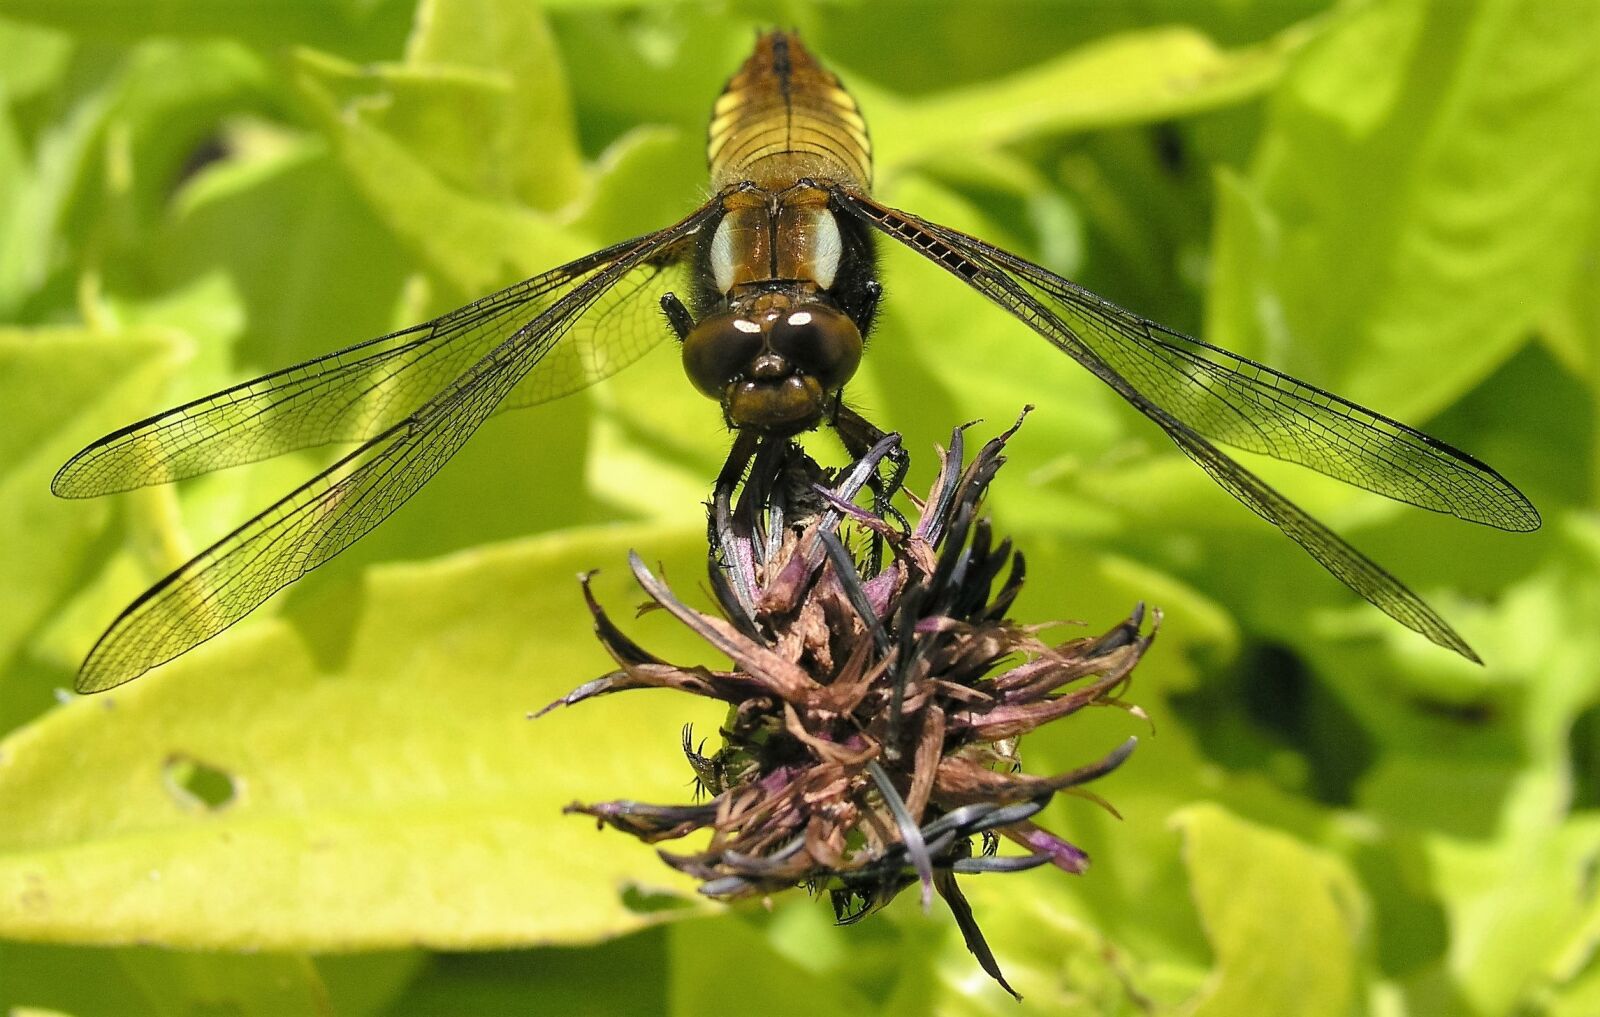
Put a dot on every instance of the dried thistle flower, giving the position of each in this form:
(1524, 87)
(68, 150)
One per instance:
(873, 708)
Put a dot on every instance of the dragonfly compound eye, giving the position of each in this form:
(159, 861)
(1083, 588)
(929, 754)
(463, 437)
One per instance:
(773, 370)
(719, 349)
(818, 341)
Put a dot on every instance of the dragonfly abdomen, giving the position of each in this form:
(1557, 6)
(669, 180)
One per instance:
(784, 117)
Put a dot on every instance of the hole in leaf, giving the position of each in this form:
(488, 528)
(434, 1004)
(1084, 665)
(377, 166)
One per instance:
(199, 785)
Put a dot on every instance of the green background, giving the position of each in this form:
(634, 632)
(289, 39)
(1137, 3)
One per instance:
(339, 807)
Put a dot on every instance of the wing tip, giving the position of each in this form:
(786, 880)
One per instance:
(1438, 631)
(68, 481)
(1460, 646)
(1529, 519)
(1519, 516)
(75, 481)
(96, 675)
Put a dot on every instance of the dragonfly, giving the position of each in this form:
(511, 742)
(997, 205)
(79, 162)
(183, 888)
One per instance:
(770, 288)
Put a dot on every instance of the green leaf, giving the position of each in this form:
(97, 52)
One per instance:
(1408, 216)
(37, 186)
(97, 177)
(475, 242)
(307, 264)
(32, 60)
(705, 953)
(251, 986)
(647, 178)
(268, 793)
(348, 23)
(170, 103)
(623, 976)
(1138, 77)
(16, 184)
(79, 982)
(144, 982)
(527, 149)
(1285, 920)
(1407, 206)
(1522, 912)
(61, 388)
(1506, 724)
(970, 352)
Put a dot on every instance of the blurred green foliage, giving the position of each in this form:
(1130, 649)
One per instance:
(340, 808)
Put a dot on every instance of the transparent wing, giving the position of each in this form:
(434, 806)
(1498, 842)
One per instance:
(361, 391)
(1190, 395)
(331, 511)
(1251, 406)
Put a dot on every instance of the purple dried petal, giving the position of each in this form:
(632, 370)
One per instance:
(649, 822)
(1063, 854)
(765, 667)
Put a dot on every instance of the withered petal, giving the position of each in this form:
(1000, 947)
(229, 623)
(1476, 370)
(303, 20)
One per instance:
(970, 933)
(1064, 855)
(780, 676)
(871, 720)
(1008, 863)
(649, 822)
(622, 649)
(960, 778)
(844, 571)
(910, 833)
(1008, 719)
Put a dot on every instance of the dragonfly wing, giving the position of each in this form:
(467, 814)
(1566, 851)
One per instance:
(983, 267)
(609, 338)
(1249, 405)
(335, 508)
(361, 391)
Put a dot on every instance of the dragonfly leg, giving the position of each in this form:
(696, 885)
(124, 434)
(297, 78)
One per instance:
(859, 435)
(678, 316)
(868, 311)
(723, 530)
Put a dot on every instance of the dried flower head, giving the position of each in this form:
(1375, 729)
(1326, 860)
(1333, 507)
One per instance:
(874, 708)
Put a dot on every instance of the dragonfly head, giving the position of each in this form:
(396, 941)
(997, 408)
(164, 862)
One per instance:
(775, 361)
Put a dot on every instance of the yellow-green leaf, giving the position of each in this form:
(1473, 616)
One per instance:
(1285, 920)
(1137, 77)
(284, 790)
(1419, 201)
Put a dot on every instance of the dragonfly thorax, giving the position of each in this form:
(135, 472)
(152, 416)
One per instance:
(767, 236)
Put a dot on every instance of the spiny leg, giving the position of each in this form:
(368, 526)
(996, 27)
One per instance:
(723, 530)
(678, 316)
(859, 435)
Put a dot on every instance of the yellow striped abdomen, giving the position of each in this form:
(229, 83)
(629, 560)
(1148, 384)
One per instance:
(784, 117)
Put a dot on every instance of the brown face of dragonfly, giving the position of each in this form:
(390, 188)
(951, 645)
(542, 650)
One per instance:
(775, 362)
